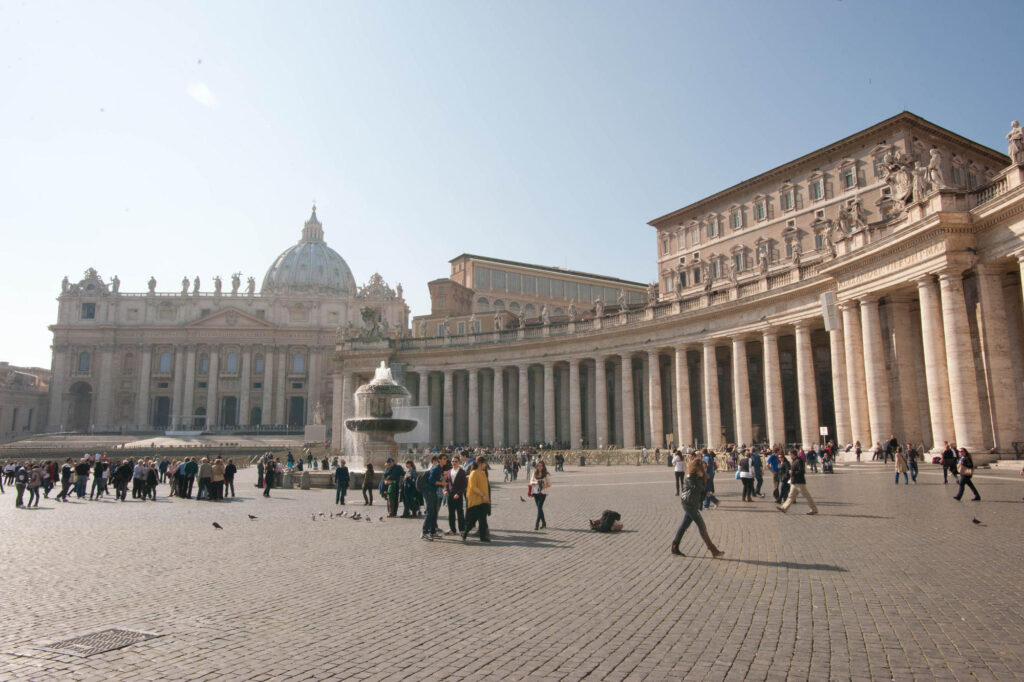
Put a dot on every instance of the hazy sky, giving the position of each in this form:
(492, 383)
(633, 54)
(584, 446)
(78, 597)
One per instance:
(174, 138)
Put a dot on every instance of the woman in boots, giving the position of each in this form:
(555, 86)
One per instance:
(692, 499)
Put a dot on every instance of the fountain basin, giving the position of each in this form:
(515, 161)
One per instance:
(384, 424)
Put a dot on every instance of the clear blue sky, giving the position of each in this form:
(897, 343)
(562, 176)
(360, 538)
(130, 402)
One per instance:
(175, 138)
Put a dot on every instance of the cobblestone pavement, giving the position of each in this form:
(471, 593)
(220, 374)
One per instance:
(888, 582)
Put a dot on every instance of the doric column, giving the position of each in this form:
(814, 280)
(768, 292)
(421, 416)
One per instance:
(628, 415)
(575, 416)
(936, 374)
(211, 388)
(654, 399)
(423, 397)
(601, 403)
(741, 392)
(313, 384)
(58, 386)
(337, 419)
(774, 415)
(487, 408)
(853, 339)
(474, 406)
(549, 402)
(448, 407)
(524, 404)
(348, 390)
(906, 401)
(684, 429)
(963, 385)
(806, 386)
(280, 414)
(189, 389)
(499, 407)
(245, 386)
(998, 366)
(178, 389)
(105, 394)
(840, 394)
(267, 406)
(712, 410)
(142, 412)
(874, 374)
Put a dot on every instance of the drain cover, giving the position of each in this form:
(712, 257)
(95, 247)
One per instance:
(98, 642)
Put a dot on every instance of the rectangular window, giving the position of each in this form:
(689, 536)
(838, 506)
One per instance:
(529, 284)
(481, 277)
(165, 363)
(204, 365)
(513, 281)
(14, 419)
(585, 293)
(440, 330)
(162, 384)
(682, 279)
(611, 295)
(202, 384)
(664, 246)
(696, 275)
(849, 178)
(789, 249)
(695, 236)
(972, 179)
(817, 190)
(787, 200)
(761, 210)
(557, 288)
(497, 280)
(713, 227)
(476, 326)
(819, 242)
(257, 384)
(544, 286)
(258, 366)
(462, 328)
(738, 261)
(28, 424)
(571, 290)
(736, 220)
(88, 311)
(879, 168)
(958, 175)
(296, 385)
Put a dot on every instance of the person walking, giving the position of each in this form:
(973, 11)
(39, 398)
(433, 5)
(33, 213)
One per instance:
(368, 485)
(431, 495)
(478, 500)
(393, 477)
(456, 483)
(797, 485)
(948, 463)
(411, 498)
(341, 480)
(229, 477)
(757, 468)
(965, 468)
(216, 481)
(913, 454)
(35, 480)
(746, 475)
(710, 467)
(692, 498)
(66, 472)
(21, 477)
(679, 467)
(899, 457)
(269, 476)
(539, 484)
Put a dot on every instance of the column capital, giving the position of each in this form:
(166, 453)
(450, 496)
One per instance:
(926, 280)
(869, 301)
(988, 270)
(1019, 255)
(769, 333)
(950, 274)
(801, 325)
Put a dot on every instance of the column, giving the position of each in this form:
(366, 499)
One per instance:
(448, 408)
(423, 390)
(549, 402)
(774, 415)
(853, 338)
(347, 404)
(499, 407)
(903, 345)
(806, 386)
(142, 413)
(940, 411)
(524, 404)
(245, 386)
(280, 415)
(684, 429)
(654, 399)
(1002, 393)
(712, 411)
(963, 386)
(474, 407)
(840, 395)
(575, 416)
(741, 392)
(600, 403)
(178, 389)
(874, 374)
(628, 417)
(211, 388)
(563, 428)
(189, 397)
(313, 384)
(104, 394)
(267, 406)
(337, 419)
(55, 413)
(487, 434)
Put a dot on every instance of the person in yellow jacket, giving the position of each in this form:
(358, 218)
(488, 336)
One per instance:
(478, 500)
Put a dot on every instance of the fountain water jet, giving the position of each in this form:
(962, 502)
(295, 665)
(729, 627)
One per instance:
(375, 420)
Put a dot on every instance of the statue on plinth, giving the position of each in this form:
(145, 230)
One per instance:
(250, 288)
(65, 285)
(115, 284)
(936, 178)
(598, 307)
(184, 285)
(545, 317)
(236, 281)
(216, 285)
(1016, 140)
(572, 311)
(152, 284)
(195, 286)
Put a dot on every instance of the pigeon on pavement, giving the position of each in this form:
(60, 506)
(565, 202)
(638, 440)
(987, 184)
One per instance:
(252, 518)
(218, 526)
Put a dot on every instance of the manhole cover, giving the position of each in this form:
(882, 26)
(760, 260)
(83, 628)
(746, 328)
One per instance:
(98, 642)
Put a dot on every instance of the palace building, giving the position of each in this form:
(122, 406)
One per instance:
(867, 289)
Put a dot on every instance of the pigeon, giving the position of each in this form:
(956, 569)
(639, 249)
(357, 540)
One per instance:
(332, 515)
(321, 514)
(380, 518)
(368, 519)
(314, 516)
(522, 499)
(251, 517)
(218, 526)
(976, 521)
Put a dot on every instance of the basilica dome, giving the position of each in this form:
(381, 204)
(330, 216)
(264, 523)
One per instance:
(310, 266)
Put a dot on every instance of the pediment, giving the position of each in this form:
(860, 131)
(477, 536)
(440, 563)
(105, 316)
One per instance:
(230, 318)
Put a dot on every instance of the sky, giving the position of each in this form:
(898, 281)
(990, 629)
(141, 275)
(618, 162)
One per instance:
(192, 138)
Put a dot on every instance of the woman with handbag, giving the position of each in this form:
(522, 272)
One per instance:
(478, 500)
(746, 477)
(900, 459)
(965, 467)
(540, 481)
(692, 498)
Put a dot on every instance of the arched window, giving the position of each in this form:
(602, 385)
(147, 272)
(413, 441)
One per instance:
(83, 362)
(558, 312)
(165, 363)
(529, 310)
(513, 307)
(231, 364)
(482, 305)
(499, 305)
(298, 363)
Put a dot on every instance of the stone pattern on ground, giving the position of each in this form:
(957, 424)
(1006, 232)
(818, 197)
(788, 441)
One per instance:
(886, 583)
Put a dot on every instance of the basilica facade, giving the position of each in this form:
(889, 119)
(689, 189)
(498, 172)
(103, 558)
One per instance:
(867, 289)
(227, 356)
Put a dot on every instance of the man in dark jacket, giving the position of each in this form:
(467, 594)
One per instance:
(948, 463)
(391, 484)
(456, 482)
(797, 485)
(341, 480)
(65, 480)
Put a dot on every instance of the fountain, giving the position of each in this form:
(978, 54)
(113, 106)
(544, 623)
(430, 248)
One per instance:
(375, 420)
